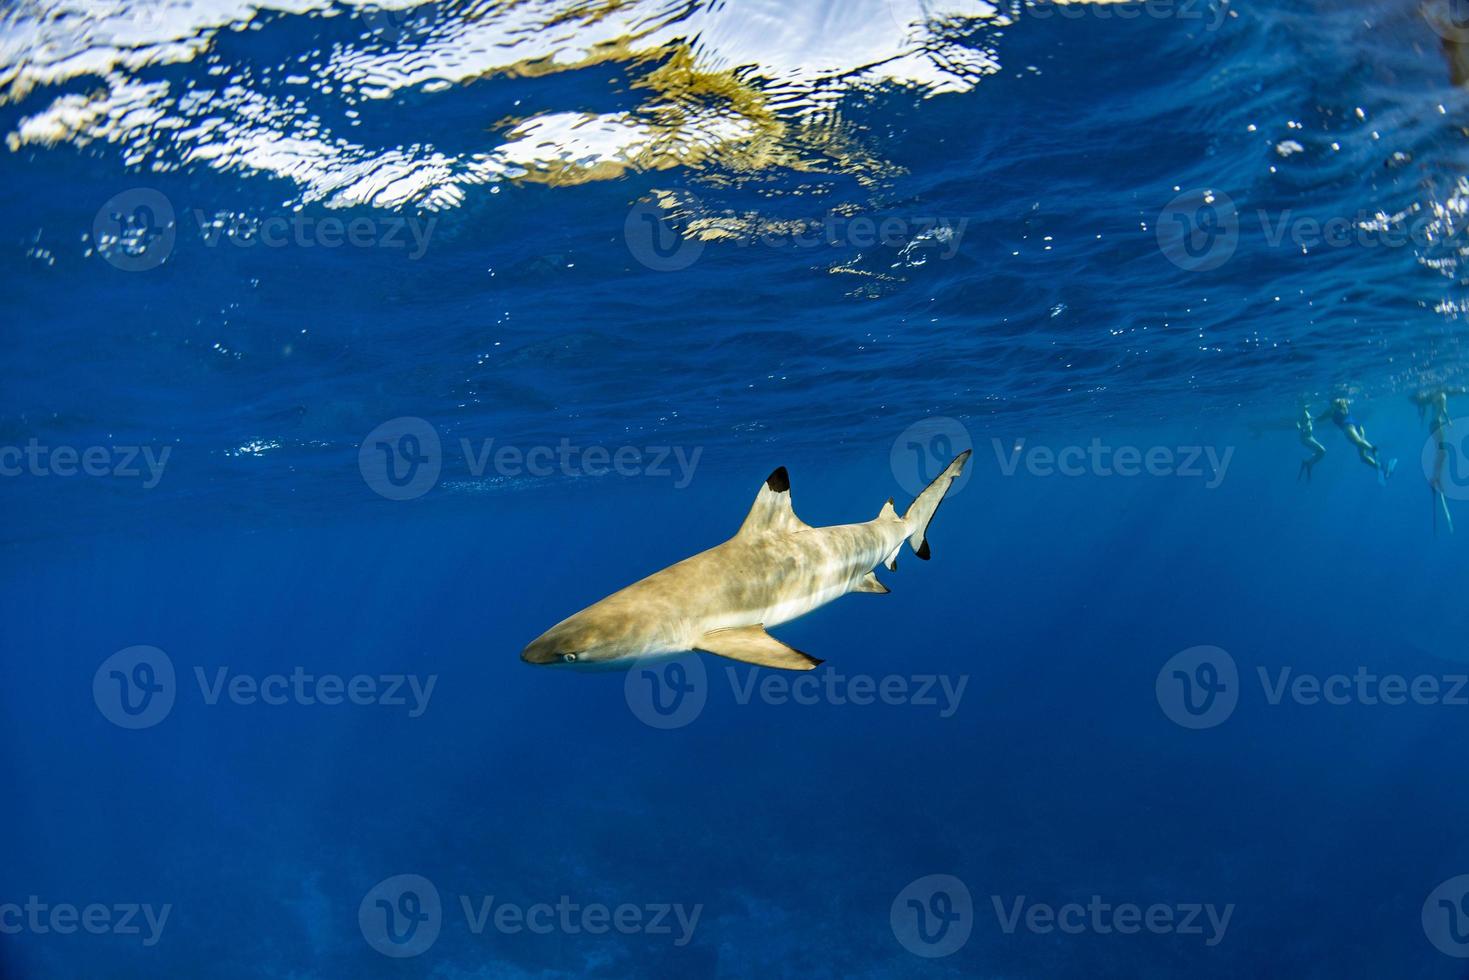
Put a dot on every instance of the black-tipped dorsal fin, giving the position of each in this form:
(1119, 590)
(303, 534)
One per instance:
(772, 509)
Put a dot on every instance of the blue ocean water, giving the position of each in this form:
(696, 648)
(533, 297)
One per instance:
(350, 347)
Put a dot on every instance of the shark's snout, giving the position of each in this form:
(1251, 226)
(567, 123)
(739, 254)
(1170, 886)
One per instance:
(580, 641)
(539, 651)
(564, 643)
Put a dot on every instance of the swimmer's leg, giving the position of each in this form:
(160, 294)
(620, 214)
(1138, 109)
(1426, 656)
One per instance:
(1366, 452)
(1318, 452)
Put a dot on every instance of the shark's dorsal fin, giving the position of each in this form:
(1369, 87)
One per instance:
(772, 510)
(752, 645)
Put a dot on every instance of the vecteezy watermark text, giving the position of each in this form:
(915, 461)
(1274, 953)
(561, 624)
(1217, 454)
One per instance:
(64, 919)
(310, 231)
(402, 916)
(673, 693)
(1200, 230)
(938, 691)
(1099, 459)
(1201, 687)
(933, 916)
(403, 458)
(138, 229)
(665, 243)
(35, 459)
(136, 688)
(300, 687)
(1211, 13)
(1104, 918)
(909, 15)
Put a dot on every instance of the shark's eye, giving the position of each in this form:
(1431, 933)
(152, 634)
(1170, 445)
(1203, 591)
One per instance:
(569, 657)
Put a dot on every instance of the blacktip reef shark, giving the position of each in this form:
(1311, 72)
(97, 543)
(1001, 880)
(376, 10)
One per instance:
(721, 601)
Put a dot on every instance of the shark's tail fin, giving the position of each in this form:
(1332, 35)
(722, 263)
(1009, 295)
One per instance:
(922, 510)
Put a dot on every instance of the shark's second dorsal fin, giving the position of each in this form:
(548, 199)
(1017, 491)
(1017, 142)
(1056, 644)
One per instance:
(772, 510)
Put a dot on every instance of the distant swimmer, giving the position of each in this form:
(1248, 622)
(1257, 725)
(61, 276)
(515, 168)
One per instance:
(1433, 407)
(1306, 426)
(1340, 413)
(1450, 21)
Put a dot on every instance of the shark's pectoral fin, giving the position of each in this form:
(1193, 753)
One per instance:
(752, 645)
(871, 584)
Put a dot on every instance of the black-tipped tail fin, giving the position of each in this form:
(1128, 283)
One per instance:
(921, 512)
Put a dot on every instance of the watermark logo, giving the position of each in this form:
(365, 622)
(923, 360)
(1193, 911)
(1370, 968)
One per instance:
(135, 688)
(655, 242)
(670, 694)
(1199, 687)
(1446, 917)
(401, 916)
(909, 16)
(412, 234)
(922, 450)
(401, 458)
(1449, 19)
(1199, 230)
(1446, 459)
(933, 916)
(394, 25)
(135, 231)
(669, 241)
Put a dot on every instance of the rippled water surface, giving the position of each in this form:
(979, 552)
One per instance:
(374, 338)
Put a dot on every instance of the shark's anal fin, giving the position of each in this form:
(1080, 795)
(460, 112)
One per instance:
(752, 645)
(870, 583)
